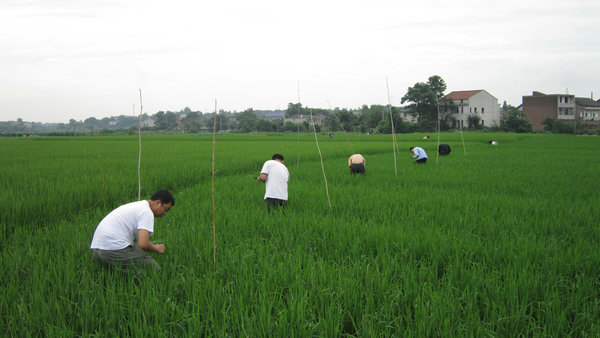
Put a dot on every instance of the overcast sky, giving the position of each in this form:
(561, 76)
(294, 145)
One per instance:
(63, 59)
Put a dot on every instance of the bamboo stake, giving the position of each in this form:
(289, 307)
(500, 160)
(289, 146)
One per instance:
(321, 157)
(140, 148)
(101, 174)
(394, 145)
(298, 150)
(437, 156)
(213, 193)
(462, 137)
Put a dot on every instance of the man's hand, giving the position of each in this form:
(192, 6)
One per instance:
(160, 248)
(144, 243)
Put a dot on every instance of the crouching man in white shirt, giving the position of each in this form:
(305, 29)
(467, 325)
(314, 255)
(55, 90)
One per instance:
(114, 241)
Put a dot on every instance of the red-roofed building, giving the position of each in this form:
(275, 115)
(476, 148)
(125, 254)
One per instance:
(475, 102)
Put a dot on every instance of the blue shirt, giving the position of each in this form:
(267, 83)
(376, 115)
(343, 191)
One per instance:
(419, 153)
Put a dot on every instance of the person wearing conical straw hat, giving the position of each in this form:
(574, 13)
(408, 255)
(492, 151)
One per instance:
(275, 175)
(123, 237)
(357, 162)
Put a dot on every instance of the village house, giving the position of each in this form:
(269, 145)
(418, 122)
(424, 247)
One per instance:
(318, 119)
(587, 112)
(475, 102)
(539, 106)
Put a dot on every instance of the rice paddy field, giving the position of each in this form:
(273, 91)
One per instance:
(489, 241)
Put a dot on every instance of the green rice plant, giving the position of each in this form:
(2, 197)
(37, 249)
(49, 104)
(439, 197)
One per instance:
(502, 241)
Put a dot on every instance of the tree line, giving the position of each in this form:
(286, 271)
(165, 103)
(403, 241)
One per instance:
(424, 102)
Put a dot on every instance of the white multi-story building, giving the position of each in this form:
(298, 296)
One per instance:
(475, 102)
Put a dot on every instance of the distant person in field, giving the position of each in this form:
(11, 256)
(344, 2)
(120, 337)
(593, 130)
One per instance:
(275, 175)
(114, 242)
(419, 154)
(357, 162)
(494, 143)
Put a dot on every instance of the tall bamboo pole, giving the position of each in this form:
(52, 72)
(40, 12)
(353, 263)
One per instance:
(213, 192)
(437, 156)
(394, 145)
(462, 137)
(298, 150)
(321, 157)
(140, 148)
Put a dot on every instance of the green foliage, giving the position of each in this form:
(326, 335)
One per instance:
(427, 102)
(474, 121)
(557, 127)
(514, 120)
(247, 121)
(192, 122)
(165, 121)
(294, 109)
(476, 245)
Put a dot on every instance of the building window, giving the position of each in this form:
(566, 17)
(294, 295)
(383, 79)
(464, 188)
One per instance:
(482, 110)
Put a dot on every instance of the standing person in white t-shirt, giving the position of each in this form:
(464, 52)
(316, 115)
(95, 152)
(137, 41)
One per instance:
(276, 176)
(114, 242)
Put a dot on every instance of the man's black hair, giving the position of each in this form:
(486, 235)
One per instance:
(277, 157)
(411, 148)
(164, 196)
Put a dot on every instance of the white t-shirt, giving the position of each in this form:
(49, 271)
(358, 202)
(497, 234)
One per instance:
(277, 179)
(119, 228)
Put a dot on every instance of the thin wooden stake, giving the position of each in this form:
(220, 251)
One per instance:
(438, 131)
(298, 151)
(394, 144)
(321, 157)
(140, 148)
(213, 192)
(462, 137)
(101, 174)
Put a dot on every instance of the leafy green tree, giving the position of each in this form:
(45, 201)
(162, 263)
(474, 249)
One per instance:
(171, 120)
(191, 122)
(514, 120)
(161, 121)
(165, 121)
(91, 123)
(474, 121)
(265, 125)
(247, 121)
(347, 120)
(294, 109)
(290, 126)
(557, 126)
(427, 102)
(370, 117)
(400, 126)
(332, 123)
